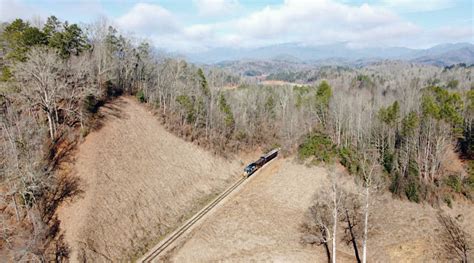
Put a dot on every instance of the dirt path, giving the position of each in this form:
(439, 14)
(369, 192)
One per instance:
(139, 183)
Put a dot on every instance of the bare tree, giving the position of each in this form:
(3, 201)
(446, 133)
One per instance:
(336, 197)
(370, 183)
(316, 228)
(43, 79)
(322, 218)
(103, 62)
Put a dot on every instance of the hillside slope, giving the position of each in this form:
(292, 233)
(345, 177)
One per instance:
(138, 182)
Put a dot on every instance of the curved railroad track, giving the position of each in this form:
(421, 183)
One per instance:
(180, 231)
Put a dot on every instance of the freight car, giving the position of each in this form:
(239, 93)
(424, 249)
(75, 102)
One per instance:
(253, 167)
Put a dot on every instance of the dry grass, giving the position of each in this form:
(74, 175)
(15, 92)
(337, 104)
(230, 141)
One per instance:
(277, 83)
(261, 224)
(139, 182)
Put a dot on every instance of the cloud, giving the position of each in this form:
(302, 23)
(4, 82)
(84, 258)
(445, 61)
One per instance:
(454, 34)
(36, 11)
(12, 9)
(149, 19)
(199, 31)
(309, 22)
(322, 22)
(417, 5)
(216, 7)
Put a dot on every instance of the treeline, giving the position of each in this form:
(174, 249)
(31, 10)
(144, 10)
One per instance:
(417, 139)
(44, 77)
(53, 79)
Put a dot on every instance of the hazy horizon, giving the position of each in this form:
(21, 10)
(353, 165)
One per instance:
(196, 26)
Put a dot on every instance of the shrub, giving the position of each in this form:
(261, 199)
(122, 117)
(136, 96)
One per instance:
(448, 201)
(5, 74)
(395, 185)
(156, 103)
(112, 90)
(188, 105)
(319, 146)
(228, 115)
(469, 180)
(454, 182)
(241, 135)
(413, 169)
(411, 191)
(85, 131)
(412, 188)
(452, 84)
(91, 104)
(409, 183)
(348, 158)
(140, 96)
(387, 161)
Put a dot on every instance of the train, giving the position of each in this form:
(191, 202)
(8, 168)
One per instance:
(253, 167)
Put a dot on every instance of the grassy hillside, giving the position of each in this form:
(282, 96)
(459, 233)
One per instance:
(138, 182)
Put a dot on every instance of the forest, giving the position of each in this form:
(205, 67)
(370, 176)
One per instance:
(413, 122)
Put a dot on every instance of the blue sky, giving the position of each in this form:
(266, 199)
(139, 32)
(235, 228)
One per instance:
(198, 25)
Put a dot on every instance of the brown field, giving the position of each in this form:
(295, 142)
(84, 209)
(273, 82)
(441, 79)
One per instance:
(277, 83)
(261, 224)
(139, 182)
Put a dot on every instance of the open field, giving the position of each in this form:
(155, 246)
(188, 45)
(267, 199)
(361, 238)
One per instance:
(261, 224)
(277, 83)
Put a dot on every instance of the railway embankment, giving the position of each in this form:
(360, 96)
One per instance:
(138, 183)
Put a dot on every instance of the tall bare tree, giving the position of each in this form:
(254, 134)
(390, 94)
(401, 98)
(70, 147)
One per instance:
(371, 182)
(336, 197)
(316, 228)
(43, 79)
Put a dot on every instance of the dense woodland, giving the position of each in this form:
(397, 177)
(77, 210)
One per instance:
(413, 121)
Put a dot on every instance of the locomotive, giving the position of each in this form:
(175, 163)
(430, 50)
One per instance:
(253, 167)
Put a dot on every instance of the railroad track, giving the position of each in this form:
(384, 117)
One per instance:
(175, 235)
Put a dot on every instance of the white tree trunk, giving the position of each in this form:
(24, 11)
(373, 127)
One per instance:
(51, 125)
(334, 214)
(366, 224)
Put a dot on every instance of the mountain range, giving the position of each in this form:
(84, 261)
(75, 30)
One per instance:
(439, 55)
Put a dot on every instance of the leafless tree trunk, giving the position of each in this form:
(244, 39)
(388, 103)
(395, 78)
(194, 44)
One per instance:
(370, 183)
(366, 225)
(335, 210)
(316, 226)
(43, 78)
(336, 197)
